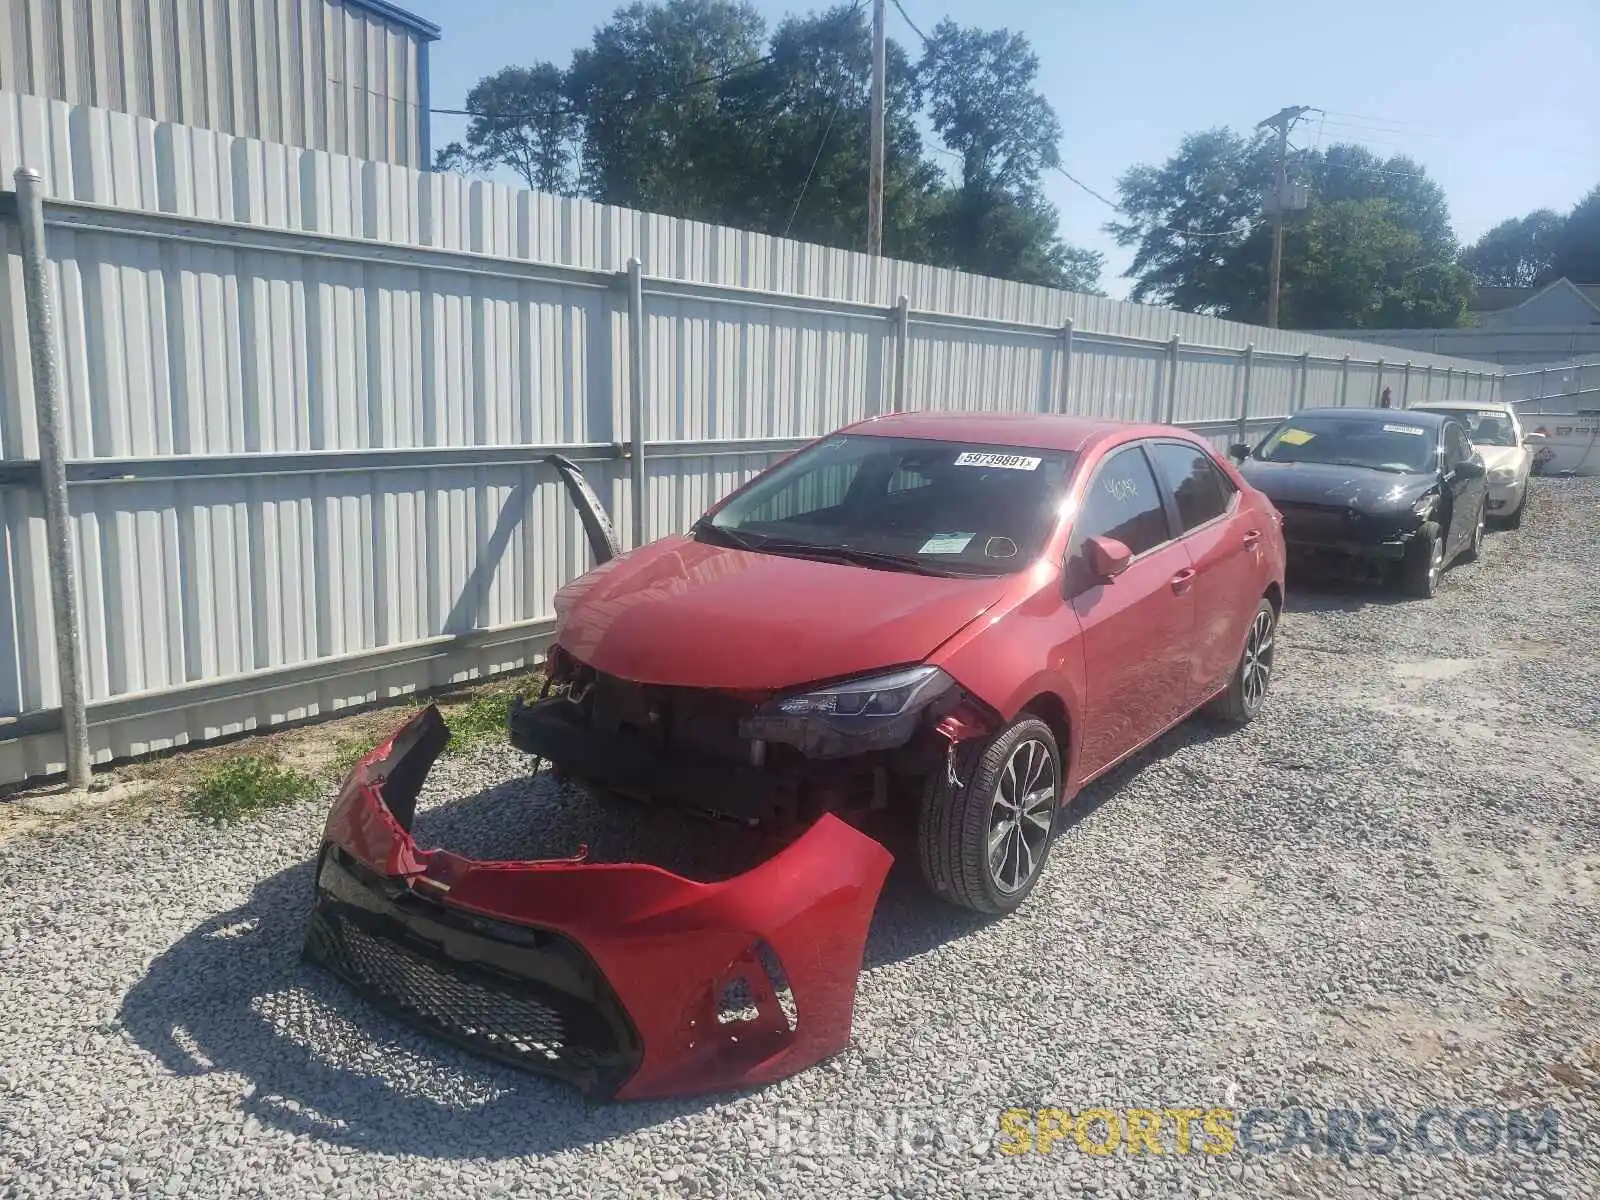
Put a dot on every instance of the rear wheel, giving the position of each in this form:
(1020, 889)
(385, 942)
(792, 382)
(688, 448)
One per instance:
(1476, 544)
(983, 842)
(1247, 691)
(1423, 563)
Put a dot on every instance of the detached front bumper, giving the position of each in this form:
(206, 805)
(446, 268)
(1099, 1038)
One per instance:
(611, 976)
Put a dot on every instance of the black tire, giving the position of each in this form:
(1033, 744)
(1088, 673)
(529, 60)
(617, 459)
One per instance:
(1423, 564)
(1470, 553)
(958, 821)
(1247, 690)
(1514, 521)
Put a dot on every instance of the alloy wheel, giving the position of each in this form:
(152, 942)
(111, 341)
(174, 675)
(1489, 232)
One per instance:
(1435, 562)
(1021, 814)
(1256, 670)
(1477, 534)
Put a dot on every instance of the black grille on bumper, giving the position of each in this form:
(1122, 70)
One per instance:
(525, 996)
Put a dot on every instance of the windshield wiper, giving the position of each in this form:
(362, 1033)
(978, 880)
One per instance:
(849, 555)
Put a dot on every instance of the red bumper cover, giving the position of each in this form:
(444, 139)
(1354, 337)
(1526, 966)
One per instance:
(610, 975)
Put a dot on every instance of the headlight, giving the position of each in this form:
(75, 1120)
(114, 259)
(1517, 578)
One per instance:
(874, 712)
(1424, 507)
(872, 696)
(1502, 475)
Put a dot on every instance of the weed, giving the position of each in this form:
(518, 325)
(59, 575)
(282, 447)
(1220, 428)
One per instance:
(241, 787)
(348, 751)
(481, 719)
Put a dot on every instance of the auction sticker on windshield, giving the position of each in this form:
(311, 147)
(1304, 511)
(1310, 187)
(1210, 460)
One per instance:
(947, 543)
(1296, 437)
(1011, 462)
(1413, 430)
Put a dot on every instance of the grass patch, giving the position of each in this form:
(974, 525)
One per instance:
(479, 721)
(348, 751)
(241, 787)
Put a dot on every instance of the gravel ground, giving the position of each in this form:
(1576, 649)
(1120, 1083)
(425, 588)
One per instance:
(1385, 894)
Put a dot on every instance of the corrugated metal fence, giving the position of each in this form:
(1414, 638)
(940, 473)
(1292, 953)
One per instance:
(305, 399)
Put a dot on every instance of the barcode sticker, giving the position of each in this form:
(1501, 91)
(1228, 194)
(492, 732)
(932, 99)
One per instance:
(1010, 462)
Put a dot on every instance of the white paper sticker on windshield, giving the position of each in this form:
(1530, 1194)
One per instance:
(1413, 430)
(946, 543)
(1010, 462)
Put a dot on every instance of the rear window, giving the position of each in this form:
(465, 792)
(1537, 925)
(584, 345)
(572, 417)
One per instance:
(957, 507)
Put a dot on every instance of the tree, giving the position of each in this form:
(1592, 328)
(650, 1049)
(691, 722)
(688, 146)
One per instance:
(674, 108)
(979, 89)
(521, 120)
(1519, 252)
(1374, 248)
(1577, 254)
(648, 90)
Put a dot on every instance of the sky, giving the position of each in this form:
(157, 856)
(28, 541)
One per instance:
(1497, 101)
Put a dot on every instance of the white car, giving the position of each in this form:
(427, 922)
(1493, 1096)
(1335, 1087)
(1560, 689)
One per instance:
(1507, 449)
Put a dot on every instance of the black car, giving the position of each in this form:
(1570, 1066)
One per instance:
(1373, 493)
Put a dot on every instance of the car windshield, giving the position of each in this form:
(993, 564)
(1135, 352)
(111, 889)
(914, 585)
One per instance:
(1486, 427)
(940, 508)
(1395, 445)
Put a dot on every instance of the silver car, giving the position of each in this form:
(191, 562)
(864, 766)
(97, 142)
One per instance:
(1507, 449)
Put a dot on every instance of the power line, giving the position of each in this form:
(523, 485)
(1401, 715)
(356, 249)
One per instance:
(817, 158)
(1228, 233)
(906, 17)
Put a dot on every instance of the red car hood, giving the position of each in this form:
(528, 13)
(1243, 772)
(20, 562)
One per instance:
(688, 614)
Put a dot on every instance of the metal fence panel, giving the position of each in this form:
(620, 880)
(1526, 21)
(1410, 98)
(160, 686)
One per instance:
(306, 397)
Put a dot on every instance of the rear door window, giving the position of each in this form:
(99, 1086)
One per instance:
(1197, 485)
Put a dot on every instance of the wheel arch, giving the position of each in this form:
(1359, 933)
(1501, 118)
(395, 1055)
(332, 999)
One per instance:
(1050, 708)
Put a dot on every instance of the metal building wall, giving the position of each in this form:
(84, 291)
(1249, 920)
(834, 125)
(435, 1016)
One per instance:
(308, 395)
(325, 74)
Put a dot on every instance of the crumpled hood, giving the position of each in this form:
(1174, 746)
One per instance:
(1346, 487)
(684, 613)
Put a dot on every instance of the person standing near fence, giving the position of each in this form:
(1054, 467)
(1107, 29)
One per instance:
(1385, 401)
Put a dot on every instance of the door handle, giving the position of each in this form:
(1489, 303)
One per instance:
(1252, 539)
(1182, 580)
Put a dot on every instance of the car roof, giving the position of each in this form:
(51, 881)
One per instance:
(1037, 431)
(1414, 416)
(1466, 406)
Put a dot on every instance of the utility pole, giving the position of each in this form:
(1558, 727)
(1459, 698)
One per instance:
(1282, 121)
(875, 181)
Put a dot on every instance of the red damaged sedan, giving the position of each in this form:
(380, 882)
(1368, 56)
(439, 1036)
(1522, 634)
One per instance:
(965, 617)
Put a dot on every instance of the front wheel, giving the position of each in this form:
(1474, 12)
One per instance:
(1514, 521)
(1247, 691)
(983, 842)
(1423, 563)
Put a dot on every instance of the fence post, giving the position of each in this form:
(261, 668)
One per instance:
(53, 474)
(1344, 382)
(1544, 373)
(1064, 401)
(1377, 388)
(1305, 381)
(1405, 385)
(636, 431)
(1174, 353)
(1427, 382)
(902, 352)
(1244, 390)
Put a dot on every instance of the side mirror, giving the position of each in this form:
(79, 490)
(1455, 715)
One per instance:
(1531, 437)
(1108, 558)
(1471, 468)
(1239, 451)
